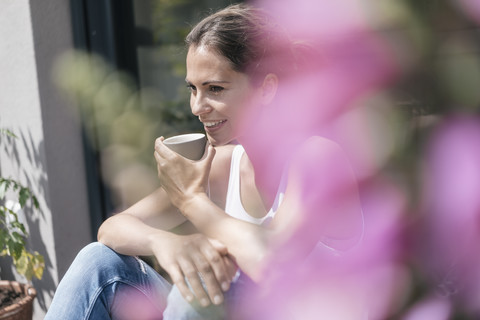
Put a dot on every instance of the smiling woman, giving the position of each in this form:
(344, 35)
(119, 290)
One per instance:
(233, 75)
(219, 94)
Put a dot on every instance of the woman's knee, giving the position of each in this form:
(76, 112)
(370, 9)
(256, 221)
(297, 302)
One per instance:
(94, 253)
(94, 250)
(98, 258)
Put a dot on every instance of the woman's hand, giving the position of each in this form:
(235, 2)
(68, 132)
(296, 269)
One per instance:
(182, 178)
(194, 258)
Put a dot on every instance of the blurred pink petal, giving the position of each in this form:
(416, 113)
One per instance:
(347, 63)
(368, 134)
(451, 229)
(317, 18)
(133, 303)
(366, 281)
(309, 104)
(470, 8)
(432, 308)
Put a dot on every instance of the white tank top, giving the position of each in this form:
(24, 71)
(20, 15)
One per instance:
(234, 206)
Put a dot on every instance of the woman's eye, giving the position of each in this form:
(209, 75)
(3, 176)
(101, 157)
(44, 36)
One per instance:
(191, 88)
(216, 89)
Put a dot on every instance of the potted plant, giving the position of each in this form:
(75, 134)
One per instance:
(16, 299)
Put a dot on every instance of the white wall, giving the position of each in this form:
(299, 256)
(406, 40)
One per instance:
(48, 154)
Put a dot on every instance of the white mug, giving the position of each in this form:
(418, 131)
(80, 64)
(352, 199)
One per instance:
(190, 145)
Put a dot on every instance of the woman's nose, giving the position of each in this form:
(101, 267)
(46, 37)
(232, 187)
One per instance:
(199, 105)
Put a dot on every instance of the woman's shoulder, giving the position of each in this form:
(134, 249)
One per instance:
(318, 147)
(223, 156)
(320, 142)
(317, 156)
(225, 150)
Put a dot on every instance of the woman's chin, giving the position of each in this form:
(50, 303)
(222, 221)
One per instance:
(217, 142)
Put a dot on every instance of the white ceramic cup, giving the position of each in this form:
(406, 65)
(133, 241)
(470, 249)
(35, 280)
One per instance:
(190, 145)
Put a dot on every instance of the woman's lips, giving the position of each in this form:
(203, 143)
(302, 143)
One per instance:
(213, 125)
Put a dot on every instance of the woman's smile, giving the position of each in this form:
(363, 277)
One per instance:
(218, 94)
(213, 125)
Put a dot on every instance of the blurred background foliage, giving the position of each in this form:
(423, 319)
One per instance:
(121, 118)
(435, 45)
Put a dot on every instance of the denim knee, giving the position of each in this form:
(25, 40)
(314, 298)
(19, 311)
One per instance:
(95, 253)
(98, 259)
(98, 277)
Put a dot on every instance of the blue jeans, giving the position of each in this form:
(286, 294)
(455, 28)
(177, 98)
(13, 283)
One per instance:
(102, 284)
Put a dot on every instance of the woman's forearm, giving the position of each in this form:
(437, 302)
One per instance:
(131, 231)
(128, 235)
(186, 258)
(247, 242)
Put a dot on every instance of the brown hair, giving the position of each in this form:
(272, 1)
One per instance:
(248, 37)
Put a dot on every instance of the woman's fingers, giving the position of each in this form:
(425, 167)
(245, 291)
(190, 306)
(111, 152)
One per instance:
(159, 143)
(158, 146)
(210, 278)
(206, 272)
(162, 150)
(179, 280)
(208, 158)
(193, 277)
(214, 253)
(230, 265)
(196, 267)
(220, 274)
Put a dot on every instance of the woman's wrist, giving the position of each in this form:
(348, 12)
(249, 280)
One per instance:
(181, 199)
(156, 237)
(192, 204)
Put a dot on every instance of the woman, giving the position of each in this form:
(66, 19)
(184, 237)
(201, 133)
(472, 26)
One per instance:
(233, 69)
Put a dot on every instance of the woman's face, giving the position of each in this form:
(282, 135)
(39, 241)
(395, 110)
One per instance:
(218, 94)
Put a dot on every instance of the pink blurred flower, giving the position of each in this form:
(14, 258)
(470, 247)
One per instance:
(135, 303)
(470, 7)
(346, 278)
(347, 61)
(437, 308)
(451, 229)
(366, 281)
(313, 19)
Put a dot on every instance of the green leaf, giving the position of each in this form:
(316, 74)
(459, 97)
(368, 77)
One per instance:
(12, 219)
(3, 236)
(38, 265)
(35, 202)
(5, 185)
(13, 233)
(30, 265)
(21, 264)
(23, 196)
(17, 237)
(3, 189)
(8, 133)
(21, 227)
(15, 185)
(15, 248)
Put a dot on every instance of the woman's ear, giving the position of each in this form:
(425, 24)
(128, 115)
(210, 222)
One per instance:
(269, 88)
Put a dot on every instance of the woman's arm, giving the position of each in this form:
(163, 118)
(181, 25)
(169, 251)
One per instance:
(313, 204)
(185, 182)
(157, 211)
(142, 230)
(127, 231)
(246, 241)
